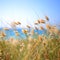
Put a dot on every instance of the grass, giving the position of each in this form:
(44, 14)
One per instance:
(30, 50)
(41, 47)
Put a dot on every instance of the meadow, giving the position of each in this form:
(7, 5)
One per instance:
(35, 46)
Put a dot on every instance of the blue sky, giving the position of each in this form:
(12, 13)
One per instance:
(27, 11)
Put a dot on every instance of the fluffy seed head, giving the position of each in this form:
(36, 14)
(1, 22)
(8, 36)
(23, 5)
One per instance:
(18, 22)
(36, 28)
(3, 34)
(48, 26)
(6, 28)
(32, 32)
(46, 17)
(39, 21)
(25, 31)
(17, 33)
(41, 28)
(40, 38)
(42, 21)
(28, 26)
(36, 23)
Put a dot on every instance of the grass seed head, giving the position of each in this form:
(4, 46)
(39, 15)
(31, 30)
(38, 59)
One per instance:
(18, 22)
(42, 21)
(36, 23)
(39, 21)
(41, 28)
(46, 17)
(48, 26)
(6, 28)
(28, 26)
(3, 34)
(25, 31)
(36, 28)
(40, 38)
(32, 32)
(16, 33)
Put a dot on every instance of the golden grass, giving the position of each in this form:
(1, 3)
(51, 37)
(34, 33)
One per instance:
(44, 47)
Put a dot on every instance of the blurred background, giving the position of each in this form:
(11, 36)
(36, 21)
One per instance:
(27, 11)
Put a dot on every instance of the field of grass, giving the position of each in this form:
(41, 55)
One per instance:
(40, 47)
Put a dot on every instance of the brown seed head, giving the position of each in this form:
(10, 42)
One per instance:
(42, 21)
(3, 34)
(28, 26)
(40, 38)
(48, 26)
(46, 17)
(36, 28)
(25, 31)
(41, 28)
(39, 21)
(18, 22)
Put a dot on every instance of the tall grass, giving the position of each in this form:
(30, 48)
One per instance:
(35, 46)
